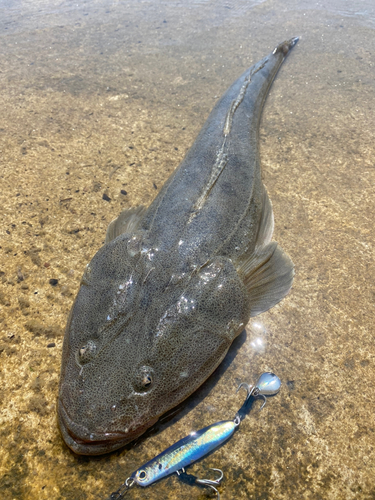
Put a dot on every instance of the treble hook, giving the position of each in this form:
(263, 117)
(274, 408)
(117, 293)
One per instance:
(268, 384)
(123, 489)
(252, 390)
(211, 483)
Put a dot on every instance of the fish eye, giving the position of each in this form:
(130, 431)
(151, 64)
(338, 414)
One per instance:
(142, 475)
(144, 379)
(147, 380)
(87, 352)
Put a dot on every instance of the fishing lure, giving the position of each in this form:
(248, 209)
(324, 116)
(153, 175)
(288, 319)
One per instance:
(198, 444)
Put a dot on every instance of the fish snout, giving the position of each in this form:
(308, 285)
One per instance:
(91, 439)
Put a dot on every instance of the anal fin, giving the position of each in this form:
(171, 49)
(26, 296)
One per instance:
(267, 275)
(127, 222)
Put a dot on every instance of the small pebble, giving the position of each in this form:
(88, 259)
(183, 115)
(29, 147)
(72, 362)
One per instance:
(51, 344)
(53, 281)
(65, 291)
(23, 302)
(106, 197)
(123, 192)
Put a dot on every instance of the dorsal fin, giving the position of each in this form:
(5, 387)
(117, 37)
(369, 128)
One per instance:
(127, 222)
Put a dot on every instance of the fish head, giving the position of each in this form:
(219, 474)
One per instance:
(101, 391)
(138, 342)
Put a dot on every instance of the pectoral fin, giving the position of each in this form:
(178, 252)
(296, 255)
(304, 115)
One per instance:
(127, 222)
(267, 275)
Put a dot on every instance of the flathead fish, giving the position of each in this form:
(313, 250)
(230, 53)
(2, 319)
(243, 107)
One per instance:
(161, 302)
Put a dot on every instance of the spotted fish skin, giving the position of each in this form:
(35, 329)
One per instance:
(161, 302)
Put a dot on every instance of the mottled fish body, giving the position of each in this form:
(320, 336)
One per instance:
(161, 302)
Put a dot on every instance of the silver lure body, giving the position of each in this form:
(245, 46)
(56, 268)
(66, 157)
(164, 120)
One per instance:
(185, 452)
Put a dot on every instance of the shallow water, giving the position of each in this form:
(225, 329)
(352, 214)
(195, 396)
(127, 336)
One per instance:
(104, 98)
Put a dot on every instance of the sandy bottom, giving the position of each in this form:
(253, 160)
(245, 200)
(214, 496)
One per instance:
(99, 104)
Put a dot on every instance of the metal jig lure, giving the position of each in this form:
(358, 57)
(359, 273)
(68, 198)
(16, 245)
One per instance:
(198, 444)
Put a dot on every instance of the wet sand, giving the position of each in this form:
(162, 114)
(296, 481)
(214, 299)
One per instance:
(99, 104)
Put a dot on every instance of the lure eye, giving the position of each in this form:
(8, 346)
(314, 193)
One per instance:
(87, 352)
(144, 379)
(142, 475)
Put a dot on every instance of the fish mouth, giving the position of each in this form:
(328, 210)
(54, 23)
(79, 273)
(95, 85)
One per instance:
(83, 442)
